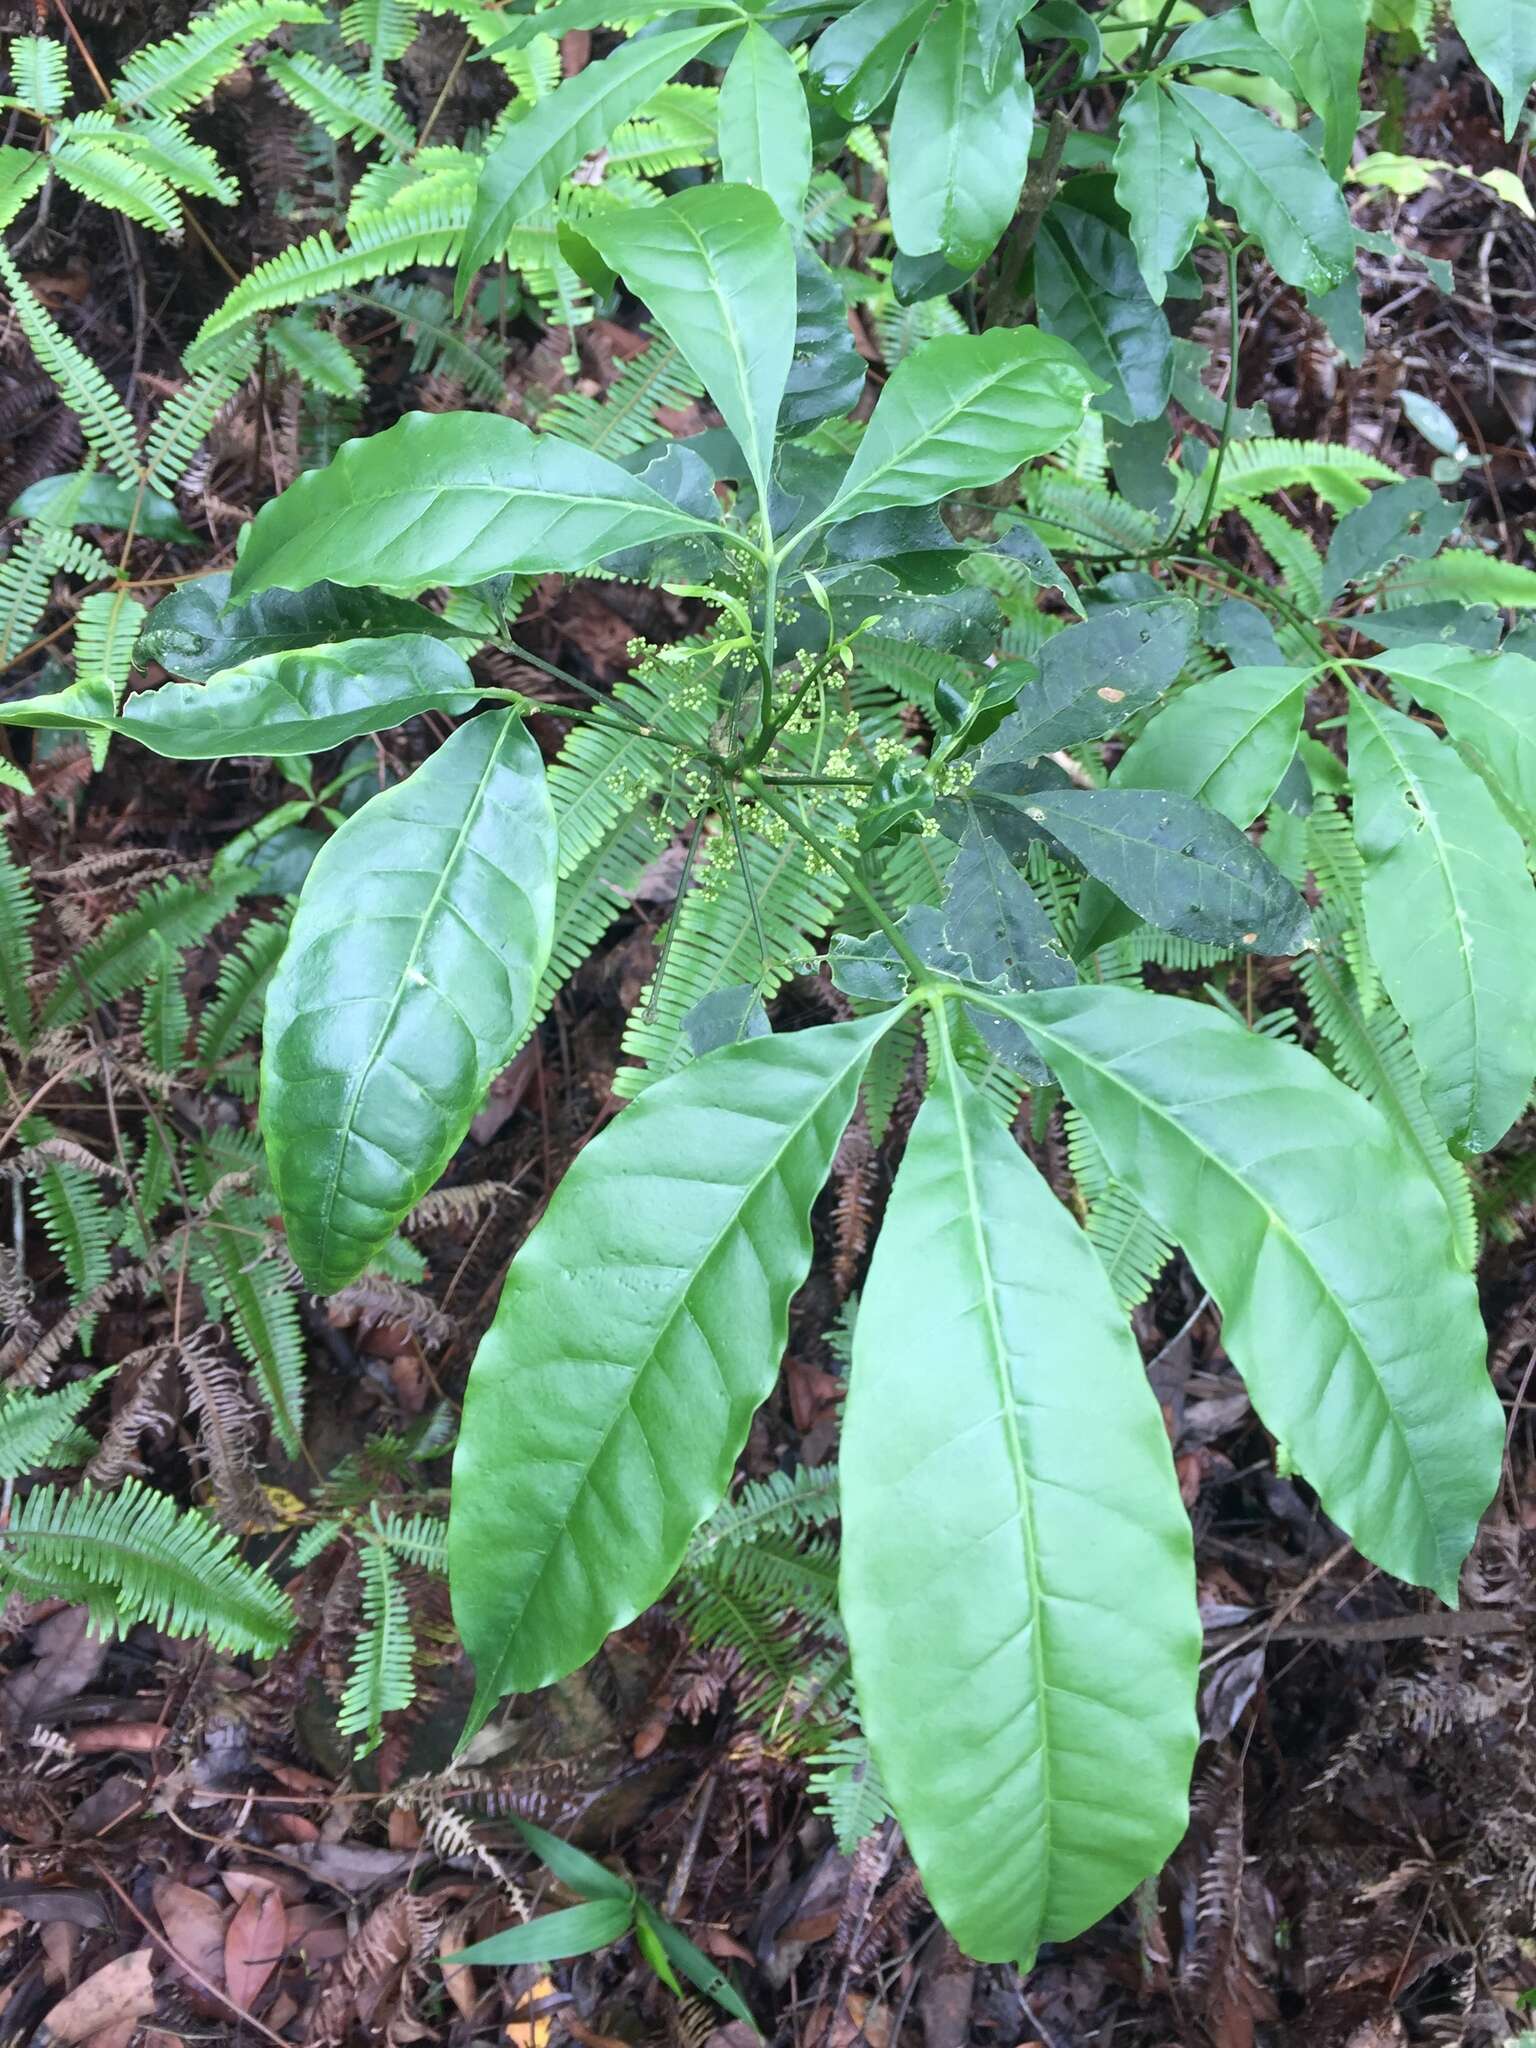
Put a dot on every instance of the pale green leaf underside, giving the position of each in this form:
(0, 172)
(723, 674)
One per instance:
(451, 498)
(1450, 915)
(1017, 1574)
(640, 1328)
(1227, 741)
(405, 986)
(1326, 1246)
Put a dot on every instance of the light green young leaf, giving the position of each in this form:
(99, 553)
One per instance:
(406, 984)
(959, 144)
(1017, 1572)
(1326, 1246)
(1227, 740)
(1501, 34)
(451, 497)
(962, 412)
(765, 125)
(1323, 42)
(1158, 183)
(640, 1328)
(1275, 185)
(1450, 917)
(525, 169)
(1488, 705)
(715, 264)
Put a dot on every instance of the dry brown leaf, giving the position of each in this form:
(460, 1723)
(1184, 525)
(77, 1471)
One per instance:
(194, 1926)
(254, 1944)
(119, 1990)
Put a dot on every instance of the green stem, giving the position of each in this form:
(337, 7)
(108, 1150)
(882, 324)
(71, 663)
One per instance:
(1234, 347)
(1150, 47)
(844, 870)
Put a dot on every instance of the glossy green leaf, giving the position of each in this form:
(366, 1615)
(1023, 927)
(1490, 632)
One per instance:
(677, 1951)
(1230, 39)
(715, 264)
(574, 1931)
(996, 931)
(1323, 42)
(406, 985)
(1227, 740)
(525, 169)
(860, 56)
(1501, 34)
(1158, 183)
(765, 126)
(640, 1328)
(1326, 1246)
(1017, 1573)
(826, 372)
(1488, 706)
(1089, 290)
(194, 631)
(1275, 185)
(1450, 917)
(576, 1870)
(1094, 676)
(451, 497)
(959, 143)
(1176, 863)
(963, 411)
(300, 703)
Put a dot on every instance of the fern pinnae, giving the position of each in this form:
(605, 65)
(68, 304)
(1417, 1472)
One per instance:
(256, 1296)
(98, 171)
(184, 421)
(356, 110)
(103, 418)
(382, 1678)
(169, 76)
(33, 1426)
(130, 1557)
(623, 420)
(234, 1013)
(18, 914)
(125, 953)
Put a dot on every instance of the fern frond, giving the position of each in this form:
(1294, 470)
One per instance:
(785, 896)
(129, 1557)
(900, 329)
(1293, 554)
(590, 897)
(602, 774)
(125, 953)
(885, 1075)
(76, 1221)
(383, 27)
(234, 1013)
(252, 1291)
(166, 1019)
(39, 75)
(1131, 1248)
(18, 914)
(416, 230)
(183, 422)
(831, 209)
(438, 343)
(1373, 1055)
(34, 1427)
(783, 1504)
(26, 577)
(1084, 518)
(106, 627)
(349, 109)
(315, 1541)
(623, 420)
(418, 1539)
(1336, 473)
(846, 1786)
(382, 1679)
(163, 146)
(101, 173)
(1335, 860)
(170, 76)
(674, 131)
(1469, 577)
(317, 357)
(103, 418)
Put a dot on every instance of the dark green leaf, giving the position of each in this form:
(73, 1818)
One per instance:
(1326, 1246)
(859, 57)
(826, 372)
(1501, 34)
(1090, 292)
(1158, 183)
(1401, 522)
(576, 1870)
(726, 1016)
(1450, 916)
(525, 169)
(1323, 42)
(450, 497)
(1275, 185)
(641, 1326)
(716, 266)
(1064, 21)
(406, 985)
(1466, 627)
(1094, 676)
(194, 631)
(959, 144)
(1227, 741)
(575, 1931)
(1230, 39)
(1176, 863)
(103, 501)
(1017, 1574)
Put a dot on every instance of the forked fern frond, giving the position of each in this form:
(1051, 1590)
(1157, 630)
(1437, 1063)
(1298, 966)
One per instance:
(26, 577)
(183, 422)
(356, 110)
(103, 418)
(39, 75)
(76, 1221)
(245, 1284)
(439, 344)
(319, 358)
(166, 1018)
(234, 1013)
(1262, 466)
(846, 1786)
(383, 27)
(35, 1427)
(129, 1557)
(1084, 518)
(1292, 552)
(170, 76)
(100, 172)
(418, 1539)
(1131, 1248)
